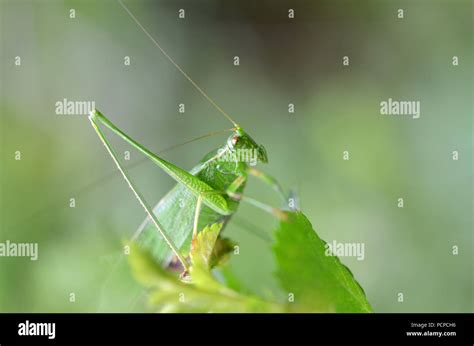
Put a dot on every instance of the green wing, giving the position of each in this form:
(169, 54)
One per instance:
(177, 219)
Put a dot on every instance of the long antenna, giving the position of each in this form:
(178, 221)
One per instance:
(176, 65)
(210, 134)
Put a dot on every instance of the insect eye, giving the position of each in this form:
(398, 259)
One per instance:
(234, 140)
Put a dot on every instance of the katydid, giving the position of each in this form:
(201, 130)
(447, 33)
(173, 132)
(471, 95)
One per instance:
(209, 193)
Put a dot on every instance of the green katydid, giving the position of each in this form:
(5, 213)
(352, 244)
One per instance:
(209, 193)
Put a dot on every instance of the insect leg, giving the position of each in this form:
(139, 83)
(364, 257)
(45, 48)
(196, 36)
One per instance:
(279, 213)
(231, 192)
(137, 194)
(197, 211)
(196, 216)
(234, 186)
(185, 178)
(269, 180)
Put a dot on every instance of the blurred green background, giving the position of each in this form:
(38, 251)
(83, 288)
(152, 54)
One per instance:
(282, 61)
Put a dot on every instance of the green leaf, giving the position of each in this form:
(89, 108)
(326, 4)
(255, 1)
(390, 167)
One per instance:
(202, 256)
(203, 246)
(318, 282)
(204, 294)
(209, 248)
